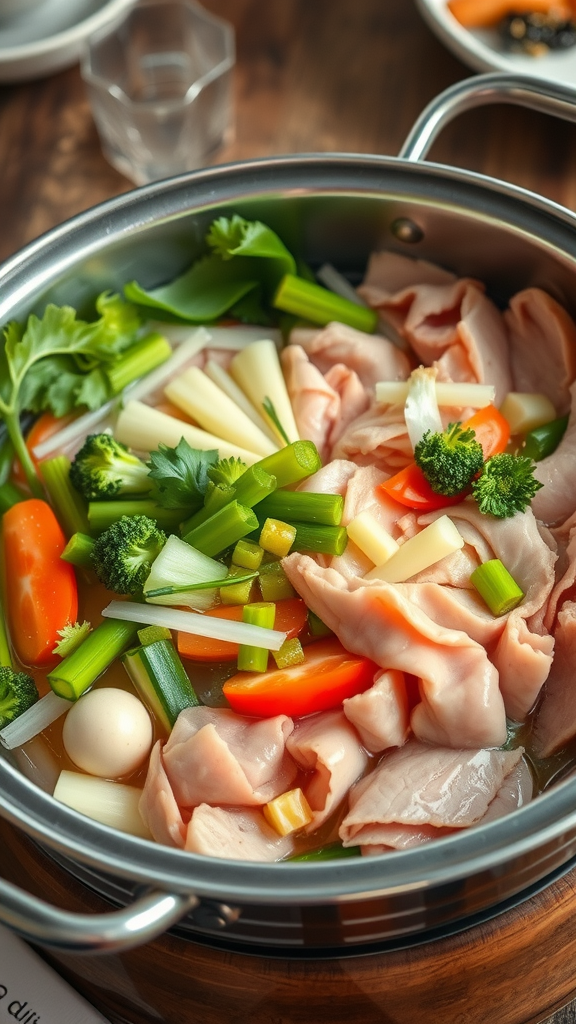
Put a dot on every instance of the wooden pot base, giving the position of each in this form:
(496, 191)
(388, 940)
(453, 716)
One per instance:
(515, 969)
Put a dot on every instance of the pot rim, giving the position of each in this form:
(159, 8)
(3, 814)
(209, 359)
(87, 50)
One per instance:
(547, 821)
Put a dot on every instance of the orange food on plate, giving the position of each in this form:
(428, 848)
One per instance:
(487, 13)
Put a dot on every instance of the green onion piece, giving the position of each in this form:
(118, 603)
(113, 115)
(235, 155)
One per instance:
(304, 507)
(274, 583)
(223, 529)
(496, 586)
(316, 627)
(10, 495)
(542, 441)
(102, 514)
(291, 653)
(78, 550)
(332, 852)
(100, 648)
(255, 659)
(161, 681)
(254, 485)
(150, 634)
(237, 586)
(217, 498)
(321, 306)
(326, 540)
(204, 585)
(247, 555)
(149, 353)
(270, 410)
(293, 463)
(69, 506)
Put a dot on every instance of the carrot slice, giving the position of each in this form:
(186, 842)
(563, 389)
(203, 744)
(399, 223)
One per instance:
(291, 616)
(486, 13)
(41, 591)
(491, 430)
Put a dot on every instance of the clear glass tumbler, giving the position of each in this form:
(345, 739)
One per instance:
(160, 87)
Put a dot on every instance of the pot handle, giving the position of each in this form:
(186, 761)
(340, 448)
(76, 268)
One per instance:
(36, 921)
(478, 91)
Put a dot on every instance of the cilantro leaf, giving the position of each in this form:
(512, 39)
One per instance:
(180, 475)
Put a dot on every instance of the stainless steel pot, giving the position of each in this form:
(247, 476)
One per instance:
(336, 208)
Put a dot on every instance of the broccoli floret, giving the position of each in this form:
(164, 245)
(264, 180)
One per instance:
(123, 554)
(227, 471)
(104, 468)
(17, 693)
(449, 460)
(506, 485)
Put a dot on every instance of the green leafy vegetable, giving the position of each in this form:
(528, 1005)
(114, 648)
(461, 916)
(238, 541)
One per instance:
(506, 485)
(449, 460)
(239, 237)
(71, 636)
(180, 475)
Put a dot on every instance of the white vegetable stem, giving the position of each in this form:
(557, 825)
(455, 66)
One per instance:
(233, 339)
(179, 564)
(421, 409)
(202, 400)
(201, 625)
(141, 427)
(229, 386)
(373, 540)
(337, 283)
(258, 372)
(457, 395)
(525, 411)
(437, 540)
(33, 721)
(111, 803)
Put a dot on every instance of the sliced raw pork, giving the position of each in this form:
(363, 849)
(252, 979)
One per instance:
(555, 723)
(235, 833)
(556, 500)
(542, 346)
(158, 807)
(372, 357)
(214, 756)
(381, 714)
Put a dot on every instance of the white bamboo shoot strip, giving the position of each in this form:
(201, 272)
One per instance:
(229, 386)
(84, 425)
(436, 541)
(525, 411)
(202, 400)
(337, 283)
(421, 411)
(193, 622)
(457, 395)
(34, 720)
(372, 539)
(110, 803)
(258, 372)
(143, 428)
(233, 339)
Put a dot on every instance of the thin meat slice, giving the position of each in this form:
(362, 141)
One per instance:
(556, 500)
(523, 660)
(315, 404)
(542, 346)
(381, 715)
(327, 745)
(215, 756)
(372, 357)
(235, 833)
(555, 723)
(376, 438)
(565, 587)
(418, 785)
(330, 479)
(390, 272)
(461, 704)
(158, 807)
(354, 397)
(516, 791)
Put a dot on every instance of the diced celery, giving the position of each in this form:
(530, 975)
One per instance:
(316, 626)
(255, 659)
(247, 554)
(277, 537)
(150, 634)
(303, 506)
(78, 550)
(496, 586)
(223, 529)
(293, 463)
(310, 300)
(274, 583)
(238, 593)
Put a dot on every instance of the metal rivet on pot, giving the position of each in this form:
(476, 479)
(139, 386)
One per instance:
(214, 915)
(406, 230)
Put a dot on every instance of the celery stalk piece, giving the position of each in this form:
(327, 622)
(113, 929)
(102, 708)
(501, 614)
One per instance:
(223, 529)
(5, 653)
(10, 495)
(100, 648)
(69, 506)
(102, 514)
(160, 680)
(326, 540)
(277, 537)
(111, 803)
(247, 555)
(254, 486)
(496, 586)
(217, 499)
(78, 550)
(311, 301)
(291, 653)
(193, 622)
(274, 583)
(250, 658)
(303, 506)
(149, 353)
(434, 542)
(236, 588)
(6, 459)
(293, 463)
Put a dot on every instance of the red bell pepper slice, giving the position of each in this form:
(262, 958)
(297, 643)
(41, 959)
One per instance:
(328, 674)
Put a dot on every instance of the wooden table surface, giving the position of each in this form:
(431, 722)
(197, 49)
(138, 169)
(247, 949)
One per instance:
(311, 75)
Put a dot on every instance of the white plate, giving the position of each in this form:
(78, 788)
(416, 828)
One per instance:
(51, 36)
(482, 50)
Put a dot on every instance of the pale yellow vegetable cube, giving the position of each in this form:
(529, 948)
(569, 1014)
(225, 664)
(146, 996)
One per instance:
(436, 541)
(525, 411)
(372, 539)
(288, 812)
(277, 537)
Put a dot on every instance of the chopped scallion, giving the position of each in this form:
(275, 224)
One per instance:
(304, 507)
(223, 529)
(251, 658)
(293, 463)
(496, 586)
(78, 550)
(311, 301)
(68, 505)
(100, 648)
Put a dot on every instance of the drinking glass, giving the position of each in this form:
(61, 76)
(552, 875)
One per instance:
(160, 86)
